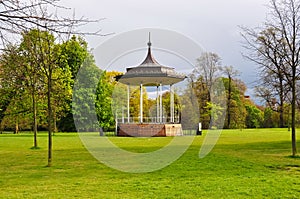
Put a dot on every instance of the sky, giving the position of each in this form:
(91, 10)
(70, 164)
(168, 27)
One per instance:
(213, 24)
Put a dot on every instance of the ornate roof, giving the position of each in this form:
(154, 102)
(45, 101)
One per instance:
(150, 73)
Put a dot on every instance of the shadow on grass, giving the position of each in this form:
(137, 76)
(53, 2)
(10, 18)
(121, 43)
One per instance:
(35, 148)
(293, 157)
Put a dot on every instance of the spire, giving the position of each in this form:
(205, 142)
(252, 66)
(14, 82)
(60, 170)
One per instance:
(149, 43)
(149, 60)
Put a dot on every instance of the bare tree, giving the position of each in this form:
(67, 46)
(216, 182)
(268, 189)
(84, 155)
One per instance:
(269, 57)
(276, 48)
(203, 77)
(208, 65)
(17, 16)
(275, 91)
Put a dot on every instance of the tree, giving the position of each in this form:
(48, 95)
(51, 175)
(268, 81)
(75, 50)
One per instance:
(205, 74)
(74, 51)
(189, 116)
(61, 94)
(275, 95)
(43, 59)
(84, 97)
(208, 65)
(271, 118)
(18, 17)
(202, 95)
(10, 84)
(73, 54)
(103, 101)
(48, 54)
(22, 90)
(23, 77)
(237, 102)
(28, 52)
(284, 19)
(230, 73)
(254, 118)
(18, 114)
(273, 83)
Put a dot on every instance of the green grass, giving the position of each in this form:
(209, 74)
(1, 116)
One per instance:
(243, 164)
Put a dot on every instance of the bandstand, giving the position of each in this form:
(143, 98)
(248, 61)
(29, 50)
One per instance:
(151, 74)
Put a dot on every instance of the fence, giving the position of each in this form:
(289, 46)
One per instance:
(186, 132)
(148, 120)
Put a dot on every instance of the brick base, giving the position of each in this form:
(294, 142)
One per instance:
(149, 130)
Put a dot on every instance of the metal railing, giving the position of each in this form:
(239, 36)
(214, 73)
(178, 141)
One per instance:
(149, 120)
(186, 132)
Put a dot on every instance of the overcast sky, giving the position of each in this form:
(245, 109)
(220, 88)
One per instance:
(211, 23)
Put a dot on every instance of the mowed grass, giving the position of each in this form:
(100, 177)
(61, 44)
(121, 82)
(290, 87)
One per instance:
(243, 164)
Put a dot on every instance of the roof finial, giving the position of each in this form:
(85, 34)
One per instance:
(149, 43)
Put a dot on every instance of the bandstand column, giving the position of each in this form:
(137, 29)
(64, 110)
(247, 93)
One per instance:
(141, 103)
(171, 104)
(128, 103)
(157, 105)
(160, 105)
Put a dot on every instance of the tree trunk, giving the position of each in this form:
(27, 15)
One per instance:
(289, 118)
(34, 119)
(228, 102)
(294, 145)
(49, 122)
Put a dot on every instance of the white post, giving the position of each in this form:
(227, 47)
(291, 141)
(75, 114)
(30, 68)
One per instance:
(160, 105)
(171, 104)
(141, 103)
(116, 129)
(128, 102)
(157, 105)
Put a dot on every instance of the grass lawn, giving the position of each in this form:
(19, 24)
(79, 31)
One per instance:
(243, 164)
